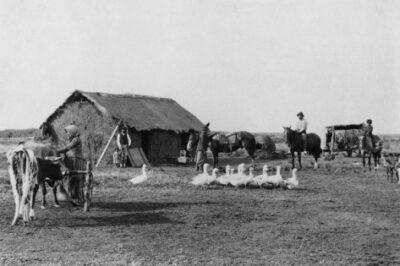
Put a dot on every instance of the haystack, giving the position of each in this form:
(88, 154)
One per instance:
(158, 127)
(266, 143)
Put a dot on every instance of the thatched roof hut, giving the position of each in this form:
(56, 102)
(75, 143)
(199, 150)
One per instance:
(157, 126)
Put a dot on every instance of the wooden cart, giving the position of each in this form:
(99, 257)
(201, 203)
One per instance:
(347, 144)
(79, 179)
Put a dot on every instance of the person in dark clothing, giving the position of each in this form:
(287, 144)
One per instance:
(202, 145)
(123, 143)
(368, 136)
(73, 160)
(73, 150)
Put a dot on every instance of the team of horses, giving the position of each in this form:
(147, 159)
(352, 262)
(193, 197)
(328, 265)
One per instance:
(221, 143)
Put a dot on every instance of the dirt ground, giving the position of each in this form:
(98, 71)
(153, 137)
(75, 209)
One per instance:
(340, 214)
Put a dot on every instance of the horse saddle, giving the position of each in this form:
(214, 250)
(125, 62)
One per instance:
(302, 140)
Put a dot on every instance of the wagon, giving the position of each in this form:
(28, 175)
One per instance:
(77, 179)
(344, 138)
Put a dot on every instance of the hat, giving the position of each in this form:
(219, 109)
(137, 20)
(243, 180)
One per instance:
(300, 114)
(72, 130)
(369, 121)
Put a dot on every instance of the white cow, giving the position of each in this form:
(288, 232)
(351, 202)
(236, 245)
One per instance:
(23, 171)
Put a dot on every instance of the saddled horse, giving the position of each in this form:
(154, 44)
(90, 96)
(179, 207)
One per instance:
(295, 143)
(227, 144)
(371, 148)
(237, 140)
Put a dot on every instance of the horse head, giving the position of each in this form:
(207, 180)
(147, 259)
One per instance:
(287, 133)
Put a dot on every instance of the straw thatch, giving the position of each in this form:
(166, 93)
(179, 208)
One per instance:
(94, 128)
(158, 125)
(137, 111)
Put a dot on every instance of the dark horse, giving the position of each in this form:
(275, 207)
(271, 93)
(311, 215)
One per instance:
(371, 149)
(221, 143)
(295, 143)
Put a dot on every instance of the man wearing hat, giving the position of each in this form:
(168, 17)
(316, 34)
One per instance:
(73, 149)
(301, 127)
(202, 145)
(368, 136)
(123, 143)
(72, 159)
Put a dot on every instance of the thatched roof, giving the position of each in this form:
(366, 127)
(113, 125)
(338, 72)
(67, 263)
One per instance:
(345, 127)
(137, 111)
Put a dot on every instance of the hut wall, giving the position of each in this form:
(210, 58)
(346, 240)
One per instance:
(136, 138)
(94, 128)
(164, 146)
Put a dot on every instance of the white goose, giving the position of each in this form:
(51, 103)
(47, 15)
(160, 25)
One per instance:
(292, 182)
(213, 177)
(141, 178)
(257, 180)
(202, 178)
(238, 179)
(224, 179)
(274, 179)
(247, 180)
(232, 171)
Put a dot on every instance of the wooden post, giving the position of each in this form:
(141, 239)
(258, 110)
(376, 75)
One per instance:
(333, 140)
(106, 147)
(88, 187)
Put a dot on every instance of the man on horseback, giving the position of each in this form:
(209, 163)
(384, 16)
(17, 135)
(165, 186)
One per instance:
(202, 145)
(301, 128)
(368, 136)
(371, 144)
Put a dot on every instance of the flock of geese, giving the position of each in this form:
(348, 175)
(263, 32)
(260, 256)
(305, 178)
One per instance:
(240, 179)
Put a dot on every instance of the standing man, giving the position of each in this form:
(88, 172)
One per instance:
(202, 145)
(73, 150)
(73, 161)
(123, 143)
(301, 128)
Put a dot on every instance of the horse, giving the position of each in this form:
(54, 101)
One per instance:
(226, 144)
(371, 150)
(232, 142)
(295, 143)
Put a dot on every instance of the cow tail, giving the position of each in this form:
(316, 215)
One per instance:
(15, 184)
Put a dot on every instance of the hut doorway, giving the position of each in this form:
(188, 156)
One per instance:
(146, 143)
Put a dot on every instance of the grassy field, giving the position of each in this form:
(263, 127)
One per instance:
(340, 214)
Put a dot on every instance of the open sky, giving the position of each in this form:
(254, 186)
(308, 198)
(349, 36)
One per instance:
(240, 64)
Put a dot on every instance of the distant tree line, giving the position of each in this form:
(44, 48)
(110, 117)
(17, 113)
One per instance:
(18, 133)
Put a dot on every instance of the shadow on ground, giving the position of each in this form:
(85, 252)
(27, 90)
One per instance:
(126, 219)
(137, 206)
